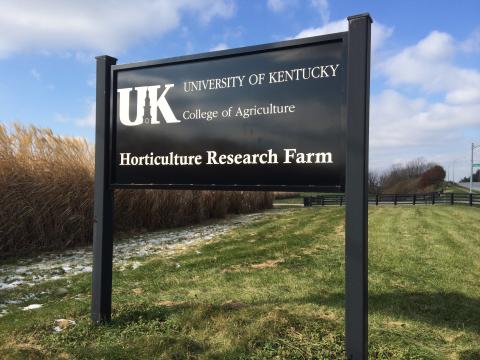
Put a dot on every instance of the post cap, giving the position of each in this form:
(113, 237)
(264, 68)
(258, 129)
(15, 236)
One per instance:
(106, 57)
(363, 15)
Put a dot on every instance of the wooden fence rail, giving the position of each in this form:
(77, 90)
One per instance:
(399, 199)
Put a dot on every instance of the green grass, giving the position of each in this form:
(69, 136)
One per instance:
(293, 200)
(458, 189)
(274, 290)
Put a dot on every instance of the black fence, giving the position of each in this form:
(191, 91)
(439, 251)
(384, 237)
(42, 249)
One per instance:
(399, 199)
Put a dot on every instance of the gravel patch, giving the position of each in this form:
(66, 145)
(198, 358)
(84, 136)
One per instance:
(127, 254)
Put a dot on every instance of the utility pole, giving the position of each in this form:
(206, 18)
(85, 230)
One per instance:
(453, 172)
(471, 165)
(471, 169)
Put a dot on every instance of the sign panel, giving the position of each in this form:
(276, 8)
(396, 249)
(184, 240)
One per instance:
(254, 118)
(270, 117)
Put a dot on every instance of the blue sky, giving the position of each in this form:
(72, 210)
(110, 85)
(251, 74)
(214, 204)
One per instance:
(425, 99)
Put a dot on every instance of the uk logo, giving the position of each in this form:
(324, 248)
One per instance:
(148, 102)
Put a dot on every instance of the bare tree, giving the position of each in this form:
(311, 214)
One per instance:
(401, 178)
(373, 182)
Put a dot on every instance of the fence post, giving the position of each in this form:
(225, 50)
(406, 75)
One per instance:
(322, 199)
(376, 199)
(414, 199)
(470, 200)
(395, 199)
(341, 200)
(433, 198)
(451, 199)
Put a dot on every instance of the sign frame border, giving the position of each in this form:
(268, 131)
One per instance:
(341, 37)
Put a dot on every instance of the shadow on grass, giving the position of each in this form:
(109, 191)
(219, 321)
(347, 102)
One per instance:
(469, 355)
(268, 331)
(159, 313)
(445, 309)
(453, 310)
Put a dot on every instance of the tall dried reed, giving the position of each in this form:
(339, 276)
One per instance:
(46, 195)
(285, 195)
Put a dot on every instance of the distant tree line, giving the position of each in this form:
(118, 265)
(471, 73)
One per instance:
(416, 176)
(476, 177)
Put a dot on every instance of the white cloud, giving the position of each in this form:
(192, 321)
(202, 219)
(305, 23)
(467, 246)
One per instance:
(467, 95)
(189, 47)
(323, 9)
(380, 32)
(89, 119)
(439, 121)
(472, 43)
(92, 80)
(398, 121)
(403, 128)
(319, 5)
(221, 46)
(428, 105)
(277, 5)
(60, 118)
(331, 27)
(101, 26)
(429, 66)
(34, 72)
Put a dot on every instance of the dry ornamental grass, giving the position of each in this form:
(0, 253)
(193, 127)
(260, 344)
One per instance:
(285, 195)
(46, 195)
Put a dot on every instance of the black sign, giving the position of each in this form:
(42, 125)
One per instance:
(266, 117)
(270, 117)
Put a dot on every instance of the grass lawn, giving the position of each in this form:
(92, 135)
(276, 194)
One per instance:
(458, 189)
(274, 290)
(293, 200)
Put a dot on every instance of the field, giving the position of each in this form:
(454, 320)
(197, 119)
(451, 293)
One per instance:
(458, 189)
(273, 289)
